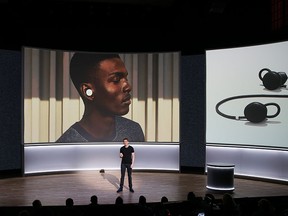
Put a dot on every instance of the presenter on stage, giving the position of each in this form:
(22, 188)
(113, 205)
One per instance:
(127, 156)
(102, 82)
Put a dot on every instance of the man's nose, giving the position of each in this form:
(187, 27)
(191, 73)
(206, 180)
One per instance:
(126, 86)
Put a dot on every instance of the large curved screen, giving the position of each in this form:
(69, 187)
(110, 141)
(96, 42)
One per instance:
(71, 96)
(247, 96)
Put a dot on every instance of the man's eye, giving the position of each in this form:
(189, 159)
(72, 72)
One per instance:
(116, 78)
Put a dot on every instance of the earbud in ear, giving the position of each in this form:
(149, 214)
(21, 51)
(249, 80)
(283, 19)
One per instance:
(89, 92)
(257, 112)
(272, 80)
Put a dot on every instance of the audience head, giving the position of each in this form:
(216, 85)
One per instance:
(69, 202)
(229, 205)
(191, 196)
(265, 205)
(119, 200)
(164, 199)
(36, 203)
(142, 200)
(228, 200)
(94, 199)
(209, 198)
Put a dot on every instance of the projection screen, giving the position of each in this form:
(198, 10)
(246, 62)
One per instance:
(52, 104)
(247, 97)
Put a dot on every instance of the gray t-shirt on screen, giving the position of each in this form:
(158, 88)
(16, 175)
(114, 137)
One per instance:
(125, 128)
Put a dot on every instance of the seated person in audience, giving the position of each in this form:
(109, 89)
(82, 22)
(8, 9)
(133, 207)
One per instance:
(143, 208)
(228, 206)
(191, 205)
(119, 201)
(164, 199)
(264, 208)
(93, 207)
(93, 200)
(39, 210)
(70, 209)
(209, 204)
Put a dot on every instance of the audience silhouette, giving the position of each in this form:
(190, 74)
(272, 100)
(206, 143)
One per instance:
(191, 206)
(93, 208)
(228, 206)
(39, 210)
(209, 205)
(162, 208)
(70, 209)
(164, 199)
(94, 200)
(119, 201)
(143, 208)
(264, 208)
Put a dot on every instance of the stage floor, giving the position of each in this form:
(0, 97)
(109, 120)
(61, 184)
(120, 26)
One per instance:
(54, 189)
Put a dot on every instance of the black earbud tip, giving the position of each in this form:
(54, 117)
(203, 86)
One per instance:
(272, 80)
(255, 112)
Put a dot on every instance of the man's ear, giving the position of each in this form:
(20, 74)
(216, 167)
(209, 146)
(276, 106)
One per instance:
(87, 91)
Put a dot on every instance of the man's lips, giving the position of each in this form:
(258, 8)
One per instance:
(127, 99)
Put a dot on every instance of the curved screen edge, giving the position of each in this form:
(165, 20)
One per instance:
(57, 158)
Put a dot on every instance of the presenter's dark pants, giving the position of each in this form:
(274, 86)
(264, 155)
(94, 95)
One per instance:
(129, 171)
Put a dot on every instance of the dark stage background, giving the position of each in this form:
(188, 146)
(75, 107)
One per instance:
(187, 26)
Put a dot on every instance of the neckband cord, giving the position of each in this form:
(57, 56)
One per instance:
(239, 97)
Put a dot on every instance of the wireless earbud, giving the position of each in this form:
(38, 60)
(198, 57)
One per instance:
(254, 112)
(89, 92)
(257, 112)
(272, 80)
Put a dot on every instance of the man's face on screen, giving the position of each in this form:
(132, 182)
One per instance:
(112, 89)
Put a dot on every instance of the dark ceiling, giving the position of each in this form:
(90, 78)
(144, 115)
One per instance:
(133, 25)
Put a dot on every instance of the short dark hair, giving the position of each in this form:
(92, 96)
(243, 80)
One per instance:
(36, 203)
(69, 202)
(164, 199)
(119, 200)
(83, 63)
(125, 139)
(142, 199)
(94, 199)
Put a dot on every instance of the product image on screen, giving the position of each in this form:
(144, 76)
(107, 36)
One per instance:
(247, 96)
(77, 96)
